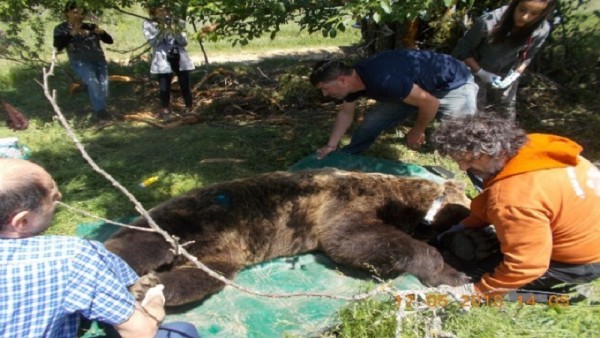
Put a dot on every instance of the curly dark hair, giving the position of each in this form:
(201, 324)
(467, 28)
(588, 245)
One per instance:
(328, 70)
(479, 134)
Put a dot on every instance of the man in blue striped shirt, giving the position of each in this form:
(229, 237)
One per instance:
(48, 282)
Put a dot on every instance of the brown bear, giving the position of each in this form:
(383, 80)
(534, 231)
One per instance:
(367, 221)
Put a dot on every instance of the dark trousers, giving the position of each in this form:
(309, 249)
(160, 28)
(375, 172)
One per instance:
(164, 87)
(561, 278)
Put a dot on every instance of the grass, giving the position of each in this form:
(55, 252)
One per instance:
(377, 318)
(262, 139)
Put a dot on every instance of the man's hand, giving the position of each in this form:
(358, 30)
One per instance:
(507, 81)
(16, 120)
(153, 292)
(324, 151)
(415, 139)
(154, 302)
(487, 77)
(147, 317)
(98, 31)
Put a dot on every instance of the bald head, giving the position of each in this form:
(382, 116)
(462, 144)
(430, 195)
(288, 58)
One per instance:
(13, 170)
(24, 186)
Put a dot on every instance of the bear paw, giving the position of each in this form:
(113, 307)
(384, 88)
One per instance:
(142, 285)
(472, 244)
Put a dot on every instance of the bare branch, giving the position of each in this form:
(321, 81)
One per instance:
(85, 213)
(52, 99)
(118, 9)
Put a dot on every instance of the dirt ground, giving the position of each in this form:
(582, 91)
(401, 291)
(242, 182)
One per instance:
(254, 57)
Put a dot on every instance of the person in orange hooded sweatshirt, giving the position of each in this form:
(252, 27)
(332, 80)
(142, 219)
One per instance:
(541, 196)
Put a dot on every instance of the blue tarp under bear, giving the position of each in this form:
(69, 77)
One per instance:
(232, 313)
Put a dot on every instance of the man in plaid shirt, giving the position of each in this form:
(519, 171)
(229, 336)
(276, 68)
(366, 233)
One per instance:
(48, 282)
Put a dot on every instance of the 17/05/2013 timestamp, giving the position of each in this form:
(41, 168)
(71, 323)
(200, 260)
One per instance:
(439, 300)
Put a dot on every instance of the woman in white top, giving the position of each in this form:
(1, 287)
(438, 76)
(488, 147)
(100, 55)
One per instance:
(168, 40)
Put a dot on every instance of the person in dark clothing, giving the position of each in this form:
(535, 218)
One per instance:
(404, 82)
(86, 57)
(500, 46)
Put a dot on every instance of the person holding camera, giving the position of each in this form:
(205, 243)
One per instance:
(86, 57)
(167, 37)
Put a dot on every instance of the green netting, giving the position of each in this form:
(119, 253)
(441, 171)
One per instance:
(232, 313)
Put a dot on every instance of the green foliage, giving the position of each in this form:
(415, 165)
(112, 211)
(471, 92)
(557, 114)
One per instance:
(369, 318)
(571, 55)
(377, 318)
(244, 21)
(295, 89)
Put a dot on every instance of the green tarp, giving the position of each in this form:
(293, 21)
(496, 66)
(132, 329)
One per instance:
(366, 164)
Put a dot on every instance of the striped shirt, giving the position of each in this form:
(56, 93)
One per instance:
(47, 282)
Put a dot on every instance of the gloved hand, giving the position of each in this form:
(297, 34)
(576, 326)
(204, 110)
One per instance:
(455, 228)
(507, 81)
(458, 293)
(156, 291)
(472, 244)
(487, 77)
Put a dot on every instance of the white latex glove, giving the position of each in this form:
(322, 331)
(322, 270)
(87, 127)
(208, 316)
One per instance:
(455, 228)
(153, 292)
(459, 293)
(487, 77)
(507, 81)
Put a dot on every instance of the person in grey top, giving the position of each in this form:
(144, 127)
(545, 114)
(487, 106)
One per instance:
(168, 40)
(499, 47)
(86, 57)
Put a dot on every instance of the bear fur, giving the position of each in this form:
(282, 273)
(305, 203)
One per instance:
(367, 221)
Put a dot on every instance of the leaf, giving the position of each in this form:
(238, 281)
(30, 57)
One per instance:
(376, 17)
(386, 6)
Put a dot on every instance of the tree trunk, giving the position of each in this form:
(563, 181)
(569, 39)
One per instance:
(379, 37)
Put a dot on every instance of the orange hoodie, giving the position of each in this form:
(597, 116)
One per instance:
(545, 206)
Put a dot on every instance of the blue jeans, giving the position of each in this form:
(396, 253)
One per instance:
(177, 330)
(457, 102)
(95, 76)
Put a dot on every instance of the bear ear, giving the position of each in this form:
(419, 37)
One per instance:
(454, 191)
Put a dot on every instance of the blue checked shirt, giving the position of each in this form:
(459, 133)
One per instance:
(47, 282)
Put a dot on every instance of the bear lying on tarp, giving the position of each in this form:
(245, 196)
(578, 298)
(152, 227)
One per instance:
(366, 221)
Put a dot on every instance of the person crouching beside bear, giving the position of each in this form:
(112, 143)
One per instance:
(542, 197)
